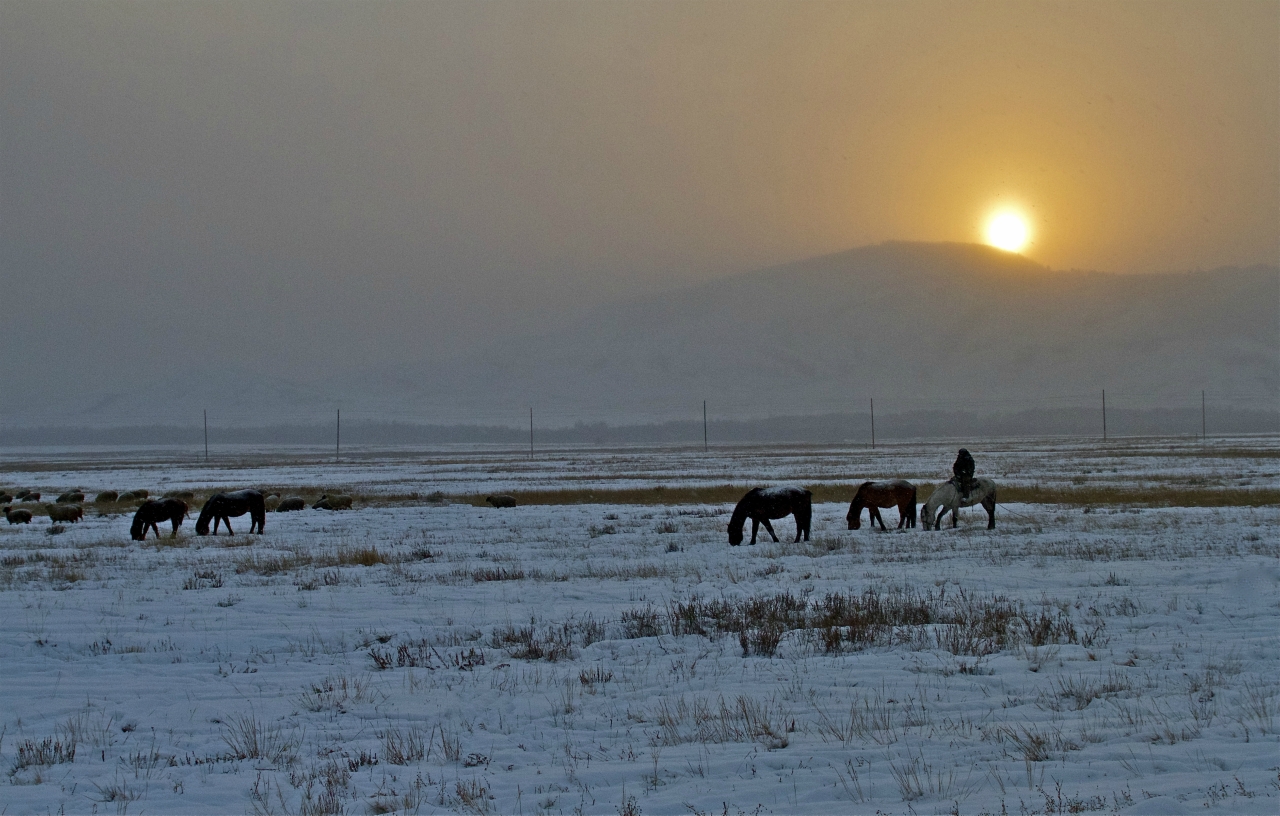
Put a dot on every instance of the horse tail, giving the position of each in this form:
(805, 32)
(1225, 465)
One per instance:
(911, 515)
(258, 507)
(805, 507)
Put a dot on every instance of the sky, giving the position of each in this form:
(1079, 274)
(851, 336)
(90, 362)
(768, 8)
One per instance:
(306, 186)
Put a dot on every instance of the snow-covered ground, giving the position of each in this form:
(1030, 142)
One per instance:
(449, 658)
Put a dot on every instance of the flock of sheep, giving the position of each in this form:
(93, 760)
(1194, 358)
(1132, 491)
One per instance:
(69, 508)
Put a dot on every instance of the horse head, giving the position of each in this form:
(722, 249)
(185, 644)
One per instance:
(735, 533)
(206, 514)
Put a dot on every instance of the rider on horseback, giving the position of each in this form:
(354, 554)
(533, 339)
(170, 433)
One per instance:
(963, 470)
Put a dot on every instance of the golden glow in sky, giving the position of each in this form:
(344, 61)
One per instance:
(1007, 230)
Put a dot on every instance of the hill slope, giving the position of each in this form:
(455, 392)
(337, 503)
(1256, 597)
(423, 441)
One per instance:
(925, 322)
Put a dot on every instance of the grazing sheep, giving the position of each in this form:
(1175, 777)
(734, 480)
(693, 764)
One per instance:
(271, 502)
(106, 497)
(30, 497)
(17, 516)
(65, 512)
(185, 495)
(21, 494)
(133, 495)
(5, 498)
(338, 502)
(72, 497)
(291, 504)
(501, 501)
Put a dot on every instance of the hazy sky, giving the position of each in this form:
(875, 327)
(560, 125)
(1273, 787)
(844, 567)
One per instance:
(306, 184)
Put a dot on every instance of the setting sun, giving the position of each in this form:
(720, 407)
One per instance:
(1008, 231)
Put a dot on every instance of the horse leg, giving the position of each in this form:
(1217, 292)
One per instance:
(955, 517)
(902, 516)
(989, 504)
(755, 528)
(227, 521)
(769, 527)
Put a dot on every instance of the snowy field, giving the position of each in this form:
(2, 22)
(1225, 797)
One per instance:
(433, 657)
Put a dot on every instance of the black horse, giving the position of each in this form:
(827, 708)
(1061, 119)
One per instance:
(764, 503)
(154, 511)
(222, 506)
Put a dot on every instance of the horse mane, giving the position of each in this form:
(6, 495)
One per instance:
(739, 517)
(206, 512)
(911, 517)
(859, 497)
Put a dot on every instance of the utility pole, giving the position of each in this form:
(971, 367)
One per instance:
(873, 423)
(531, 432)
(1104, 415)
(704, 427)
(337, 442)
(206, 435)
(1203, 434)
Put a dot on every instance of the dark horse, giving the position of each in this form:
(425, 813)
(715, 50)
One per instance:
(222, 506)
(764, 503)
(153, 511)
(874, 495)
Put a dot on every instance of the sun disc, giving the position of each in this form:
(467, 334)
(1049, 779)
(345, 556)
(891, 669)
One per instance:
(1007, 231)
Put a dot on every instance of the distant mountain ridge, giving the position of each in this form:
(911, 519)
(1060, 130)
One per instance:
(917, 326)
(931, 322)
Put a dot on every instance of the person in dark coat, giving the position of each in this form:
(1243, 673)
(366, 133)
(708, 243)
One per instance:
(963, 470)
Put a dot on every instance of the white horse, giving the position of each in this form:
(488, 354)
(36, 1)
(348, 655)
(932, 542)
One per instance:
(947, 497)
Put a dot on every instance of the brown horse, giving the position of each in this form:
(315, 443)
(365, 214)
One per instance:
(154, 511)
(874, 495)
(764, 503)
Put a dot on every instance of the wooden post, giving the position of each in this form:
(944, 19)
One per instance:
(704, 426)
(873, 423)
(337, 442)
(206, 435)
(1104, 415)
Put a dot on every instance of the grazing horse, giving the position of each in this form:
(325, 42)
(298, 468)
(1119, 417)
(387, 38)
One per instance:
(947, 498)
(874, 495)
(764, 503)
(222, 506)
(157, 510)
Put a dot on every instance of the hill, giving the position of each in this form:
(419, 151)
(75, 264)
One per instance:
(924, 324)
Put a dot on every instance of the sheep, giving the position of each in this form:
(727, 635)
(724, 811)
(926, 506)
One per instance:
(271, 501)
(21, 494)
(30, 497)
(106, 497)
(132, 495)
(501, 500)
(185, 495)
(64, 512)
(71, 497)
(5, 498)
(17, 516)
(338, 502)
(291, 504)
